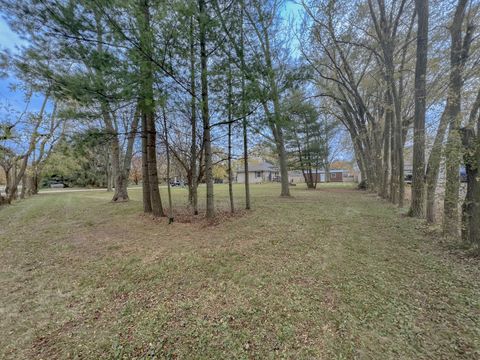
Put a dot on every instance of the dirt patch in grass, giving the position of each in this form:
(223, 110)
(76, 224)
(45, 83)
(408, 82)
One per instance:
(184, 216)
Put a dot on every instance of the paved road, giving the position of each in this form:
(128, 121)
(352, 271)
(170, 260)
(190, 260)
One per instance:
(64, 190)
(68, 190)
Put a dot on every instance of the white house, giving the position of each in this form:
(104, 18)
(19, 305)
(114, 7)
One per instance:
(258, 173)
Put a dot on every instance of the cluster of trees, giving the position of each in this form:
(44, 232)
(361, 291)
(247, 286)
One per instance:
(312, 137)
(375, 61)
(177, 80)
(26, 143)
(184, 71)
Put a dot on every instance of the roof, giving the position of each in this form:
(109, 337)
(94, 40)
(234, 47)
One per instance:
(263, 166)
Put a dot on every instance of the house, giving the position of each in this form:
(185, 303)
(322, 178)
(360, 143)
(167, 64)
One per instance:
(266, 172)
(334, 176)
(258, 173)
(295, 176)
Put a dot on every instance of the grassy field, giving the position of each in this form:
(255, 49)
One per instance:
(328, 274)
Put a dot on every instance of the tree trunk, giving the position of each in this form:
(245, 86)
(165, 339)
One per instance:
(16, 177)
(277, 121)
(167, 150)
(147, 203)
(35, 180)
(156, 200)
(433, 167)
(108, 172)
(205, 111)
(23, 191)
(127, 160)
(8, 185)
(245, 160)
(244, 113)
(453, 150)
(384, 193)
(471, 205)
(418, 181)
(229, 134)
(230, 172)
(120, 180)
(193, 186)
(147, 106)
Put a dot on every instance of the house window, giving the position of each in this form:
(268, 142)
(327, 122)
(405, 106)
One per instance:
(258, 174)
(333, 176)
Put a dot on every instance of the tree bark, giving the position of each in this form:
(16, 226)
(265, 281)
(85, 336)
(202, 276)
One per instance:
(418, 181)
(167, 150)
(244, 112)
(147, 203)
(193, 186)
(156, 200)
(119, 176)
(23, 190)
(147, 106)
(453, 150)
(471, 205)
(384, 193)
(202, 19)
(229, 135)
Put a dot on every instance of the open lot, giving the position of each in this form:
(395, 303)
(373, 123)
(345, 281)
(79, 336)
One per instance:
(330, 273)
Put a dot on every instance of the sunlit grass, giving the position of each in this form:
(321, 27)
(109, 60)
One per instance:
(328, 273)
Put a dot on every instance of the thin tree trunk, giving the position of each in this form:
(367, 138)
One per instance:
(327, 172)
(418, 181)
(433, 167)
(8, 185)
(230, 120)
(471, 205)
(34, 183)
(453, 150)
(127, 160)
(205, 111)
(384, 193)
(230, 172)
(24, 187)
(277, 126)
(16, 177)
(147, 203)
(193, 189)
(120, 182)
(170, 205)
(108, 172)
(244, 113)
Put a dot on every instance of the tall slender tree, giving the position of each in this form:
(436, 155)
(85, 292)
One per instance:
(207, 141)
(418, 183)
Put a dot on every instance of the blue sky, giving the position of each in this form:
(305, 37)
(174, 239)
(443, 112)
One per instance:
(8, 40)
(13, 99)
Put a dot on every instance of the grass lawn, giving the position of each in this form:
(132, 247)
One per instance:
(328, 274)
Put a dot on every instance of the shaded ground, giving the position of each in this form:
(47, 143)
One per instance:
(326, 274)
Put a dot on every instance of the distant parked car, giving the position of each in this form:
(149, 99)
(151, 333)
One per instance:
(175, 183)
(57, 185)
(463, 175)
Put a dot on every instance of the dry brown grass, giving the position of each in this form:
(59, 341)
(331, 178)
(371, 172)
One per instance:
(331, 273)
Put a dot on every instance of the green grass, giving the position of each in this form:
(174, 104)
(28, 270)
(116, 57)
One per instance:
(328, 274)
